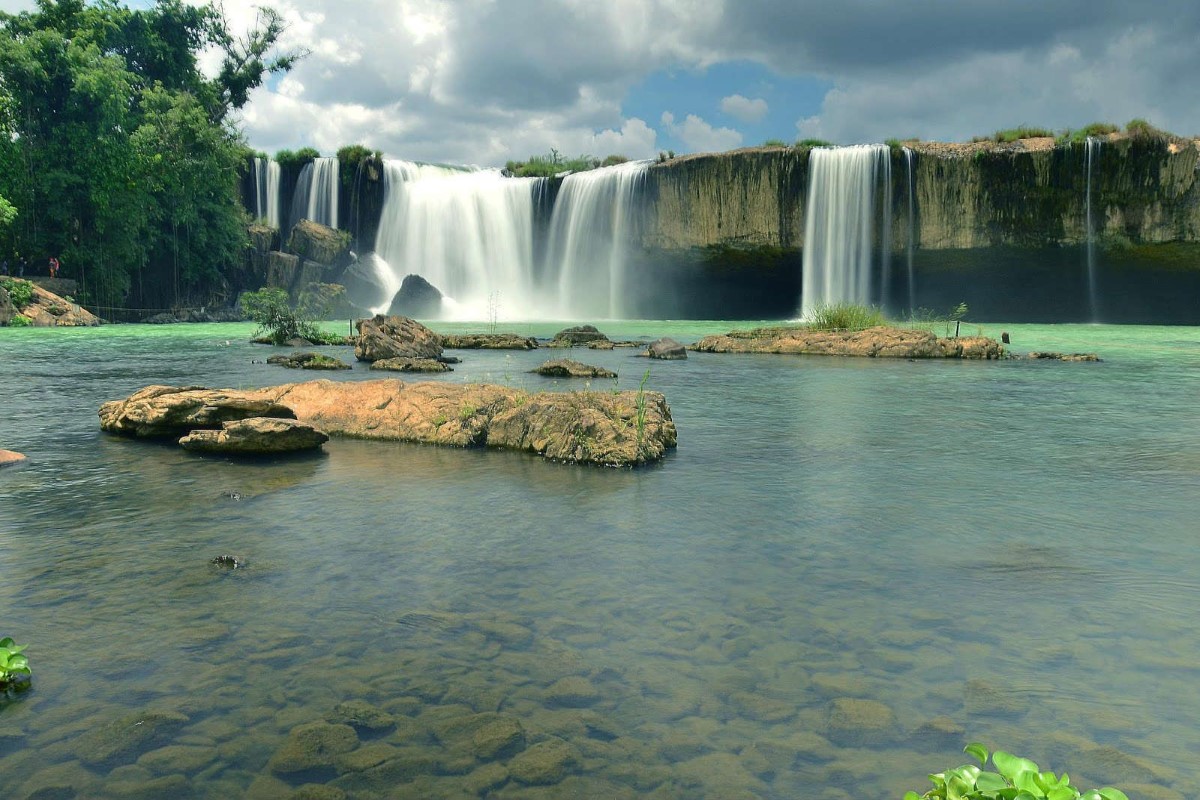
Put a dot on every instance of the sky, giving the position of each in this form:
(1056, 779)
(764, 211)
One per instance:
(485, 81)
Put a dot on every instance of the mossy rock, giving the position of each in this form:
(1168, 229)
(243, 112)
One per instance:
(499, 739)
(361, 715)
(129, 737)
(544, 763)
(312, 746)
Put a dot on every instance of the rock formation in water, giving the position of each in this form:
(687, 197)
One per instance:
(307, 360)
(256, 436)
(879, 342)
(10, 457)
(395, 337)
(45, 309)
(608, 428)
(666, 349)
(417, 298)
(578, 335)
(410, 365)
(488, 341)
(567, 368)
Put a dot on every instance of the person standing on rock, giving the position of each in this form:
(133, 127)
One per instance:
(21, 267)
(53, 267)
(4, 267)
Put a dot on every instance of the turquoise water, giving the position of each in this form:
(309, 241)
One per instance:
(1001, 552)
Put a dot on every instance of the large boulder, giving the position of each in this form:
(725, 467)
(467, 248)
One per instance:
(489, 341)
(282, 270)
(880, 342)
(7, 309)
(263, 239)
(256, 436)
(578, 335)
(395, 337)
(171, 411)
(417, 298)
(46, 309)
(566, 368)
(667, 349)
(609, 428)
(313, 241)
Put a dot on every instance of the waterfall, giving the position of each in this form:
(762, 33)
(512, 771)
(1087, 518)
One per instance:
(316, 195)
(1092, 145)
(839, 230)
(592, 222)
(266, 187)
(468, 232)
(912, 230)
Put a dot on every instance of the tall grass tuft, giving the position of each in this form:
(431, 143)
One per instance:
(844, 317)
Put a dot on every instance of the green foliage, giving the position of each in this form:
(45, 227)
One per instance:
(19, 291)
(270, 309)
(844, 317)
(775, 143)
(553, 163)
(350, 159)
(1021, 132)
(1141, 129)
(640, 403)
(294, 159)
(14, 666)
(808, 144)
(97, 103)
(930, 320)
(19, 322)
(8, 213)
(1013, 779)
(1081, 135)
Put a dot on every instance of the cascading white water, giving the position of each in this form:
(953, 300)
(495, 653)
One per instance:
(912, 230)
(316, 195)
(266, 185)
(467, 232)
(839, 229)
(1093, 146)
(590, 228)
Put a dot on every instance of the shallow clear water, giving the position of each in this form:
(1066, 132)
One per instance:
(1009, 546)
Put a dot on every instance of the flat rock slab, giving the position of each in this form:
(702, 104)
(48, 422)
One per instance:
(307, 360)
(257, 436)
(881, 342)
(609, 428)
(566, 368)
(173, 411)
(410, 365)
(1049, 356)
(489, 341)
(10, 457)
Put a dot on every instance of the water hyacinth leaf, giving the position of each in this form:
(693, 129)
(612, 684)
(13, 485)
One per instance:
(1109, 793)
(1028, 781)
(1009, 765)
(911, 796)
(978, 751)
(18, 662)
(7, 642)
(990, 782)
(1062, 793)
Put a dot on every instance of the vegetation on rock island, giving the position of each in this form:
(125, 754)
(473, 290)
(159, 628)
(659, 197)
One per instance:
(118, 150)
(1014, 778)
(844, 317)
(279, 322)
(554, 163)
(14, 666)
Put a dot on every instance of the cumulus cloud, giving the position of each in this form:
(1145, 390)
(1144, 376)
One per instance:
(744, 108)
(482, 82)
(699, 136)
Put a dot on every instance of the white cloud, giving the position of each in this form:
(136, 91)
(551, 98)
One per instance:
(699, 136)
(744, 108)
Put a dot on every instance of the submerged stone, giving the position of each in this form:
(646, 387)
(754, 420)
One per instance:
(544, 763)
(312, 746)
(853, 722)
(362, 715)
(124, 740)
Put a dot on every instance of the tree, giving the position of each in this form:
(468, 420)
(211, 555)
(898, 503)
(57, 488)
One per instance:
(118, 148)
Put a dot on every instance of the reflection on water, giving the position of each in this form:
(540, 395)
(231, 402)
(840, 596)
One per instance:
(848, 569)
